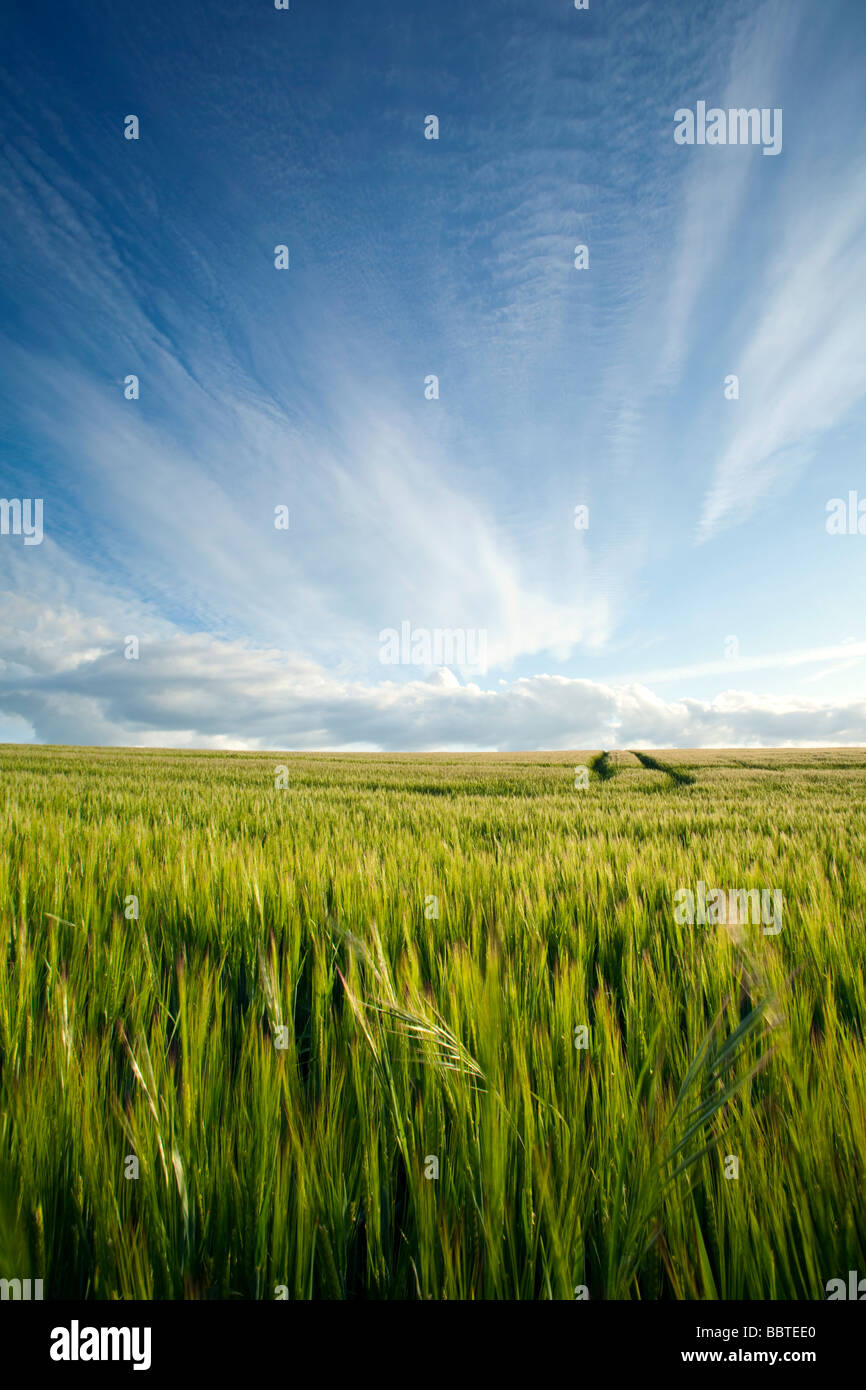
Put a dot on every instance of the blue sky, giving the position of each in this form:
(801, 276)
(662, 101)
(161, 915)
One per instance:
(411, 257)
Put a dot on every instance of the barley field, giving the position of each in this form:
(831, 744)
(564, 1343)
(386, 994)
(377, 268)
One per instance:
(351, 1026)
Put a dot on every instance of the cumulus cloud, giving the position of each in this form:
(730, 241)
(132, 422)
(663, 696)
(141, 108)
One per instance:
(71, 683)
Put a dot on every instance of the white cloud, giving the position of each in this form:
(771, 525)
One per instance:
(853, 652)
(196, 691)
(804, 366)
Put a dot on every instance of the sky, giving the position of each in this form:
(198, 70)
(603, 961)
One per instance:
(337, 507)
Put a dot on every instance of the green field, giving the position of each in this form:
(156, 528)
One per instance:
(303, 915)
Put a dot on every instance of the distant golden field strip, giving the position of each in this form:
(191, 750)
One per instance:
(246, 999)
